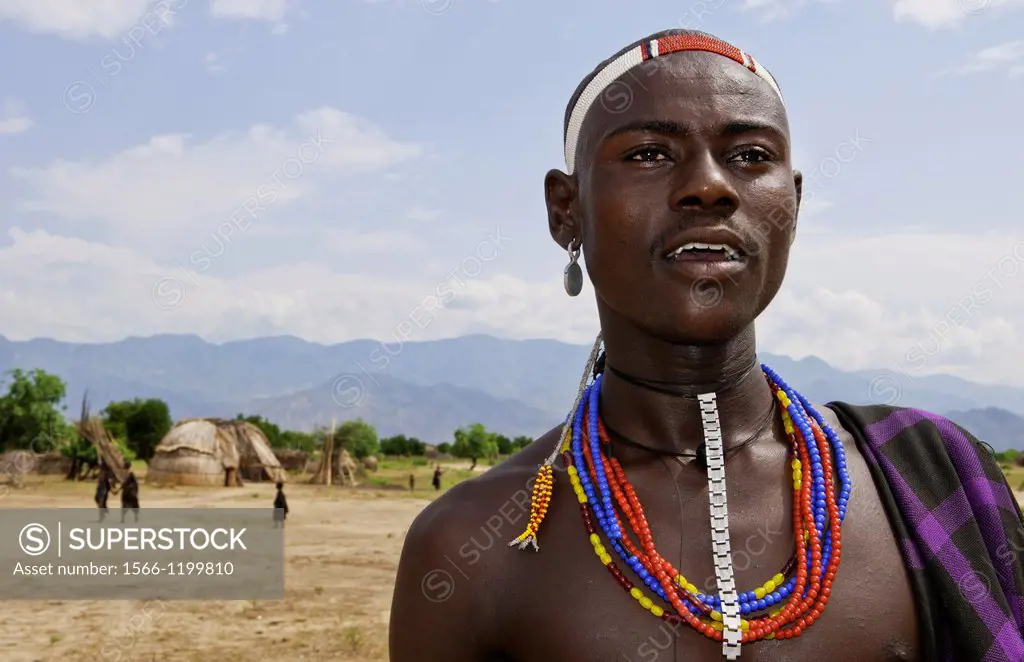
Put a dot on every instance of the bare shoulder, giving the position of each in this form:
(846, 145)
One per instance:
(431, 591)
(463, 508)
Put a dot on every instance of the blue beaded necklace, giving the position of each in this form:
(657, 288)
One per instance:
(800, 412)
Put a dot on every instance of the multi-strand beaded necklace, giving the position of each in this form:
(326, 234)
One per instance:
(781, 608)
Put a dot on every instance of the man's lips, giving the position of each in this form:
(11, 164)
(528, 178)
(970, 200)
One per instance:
(704, 244)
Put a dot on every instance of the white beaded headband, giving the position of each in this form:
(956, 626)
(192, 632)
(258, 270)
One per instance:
(641, 53)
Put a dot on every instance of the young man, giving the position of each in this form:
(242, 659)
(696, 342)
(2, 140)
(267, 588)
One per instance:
(684, 202)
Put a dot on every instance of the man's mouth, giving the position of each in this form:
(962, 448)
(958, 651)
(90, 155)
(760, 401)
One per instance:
(697, 252)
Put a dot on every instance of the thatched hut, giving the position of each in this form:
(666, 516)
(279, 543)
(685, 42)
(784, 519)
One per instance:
(213, 451)
(17, 463)
(292, 459)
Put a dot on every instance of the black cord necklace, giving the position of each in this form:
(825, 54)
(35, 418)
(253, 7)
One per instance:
(700, 456)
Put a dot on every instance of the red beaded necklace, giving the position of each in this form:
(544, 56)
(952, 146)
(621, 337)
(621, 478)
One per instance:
(799, 612)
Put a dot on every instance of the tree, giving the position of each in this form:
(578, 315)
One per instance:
(359, 437)
(1007, 455)
(521, 442)
(270, 430)
(444, 447)
(139, 424)
(402, 445)
(475, 442)
(31, 409)
(504, 444)
(303, 441)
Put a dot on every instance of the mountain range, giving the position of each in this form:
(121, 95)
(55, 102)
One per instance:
(427, 389)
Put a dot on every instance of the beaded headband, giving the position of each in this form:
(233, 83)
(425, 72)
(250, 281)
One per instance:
(636, 56)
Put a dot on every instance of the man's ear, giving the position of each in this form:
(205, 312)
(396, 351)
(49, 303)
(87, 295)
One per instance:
(560, 197)
(798, 183)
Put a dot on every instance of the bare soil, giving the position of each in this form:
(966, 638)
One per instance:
(341, 552)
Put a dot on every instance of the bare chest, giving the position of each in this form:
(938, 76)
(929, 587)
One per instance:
(565, 605)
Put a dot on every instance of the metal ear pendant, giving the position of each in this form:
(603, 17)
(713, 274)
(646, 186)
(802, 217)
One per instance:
(573, 275)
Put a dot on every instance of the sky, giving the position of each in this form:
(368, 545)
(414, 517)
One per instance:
(326, 169)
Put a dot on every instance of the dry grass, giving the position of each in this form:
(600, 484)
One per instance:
(1015, 477)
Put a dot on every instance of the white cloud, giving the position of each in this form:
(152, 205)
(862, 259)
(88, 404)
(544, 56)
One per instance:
(77, 20)
(174, 183)
(14, 118)
(386, 242)
(938, 14)
(423, 214)
(262, 10)
(214, 63)
(82, 19)
(85, 291)
(839, 301)
(961, 294)
(1008, 57)
(815, 206)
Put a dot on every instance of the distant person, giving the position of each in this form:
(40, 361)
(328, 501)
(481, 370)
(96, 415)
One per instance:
(130, 493)
(280, 506)
(412, 482)
(437, 477)
(103, 487)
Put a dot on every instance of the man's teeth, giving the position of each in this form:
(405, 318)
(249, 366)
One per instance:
(730, 252)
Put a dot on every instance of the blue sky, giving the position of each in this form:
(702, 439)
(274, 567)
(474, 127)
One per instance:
(236, 168)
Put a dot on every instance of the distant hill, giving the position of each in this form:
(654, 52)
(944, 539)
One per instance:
(430, 413)
(428, 388)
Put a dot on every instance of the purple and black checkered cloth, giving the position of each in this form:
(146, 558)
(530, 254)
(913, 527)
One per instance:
(959, 527)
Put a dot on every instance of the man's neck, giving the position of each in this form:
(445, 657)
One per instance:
(673, 422)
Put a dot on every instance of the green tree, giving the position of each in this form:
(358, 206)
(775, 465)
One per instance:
(1009, 456)
(31, 408)
(139, 424)
(402, 445)
(521, 442)
(359, 437)
(504, 444)
(475, 443)
(444, 447)
(303, 441)
(270, 430)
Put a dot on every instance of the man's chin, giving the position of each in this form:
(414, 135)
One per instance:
(704, 325)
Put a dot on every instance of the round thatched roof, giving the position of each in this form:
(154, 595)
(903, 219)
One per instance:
(200, 451)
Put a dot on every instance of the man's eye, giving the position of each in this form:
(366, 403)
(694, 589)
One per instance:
(753, 155)
(647, 155)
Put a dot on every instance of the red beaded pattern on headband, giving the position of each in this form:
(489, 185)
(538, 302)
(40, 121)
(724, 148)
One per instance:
(645, 51)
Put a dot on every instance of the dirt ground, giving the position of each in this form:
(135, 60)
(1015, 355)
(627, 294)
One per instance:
(341, 553)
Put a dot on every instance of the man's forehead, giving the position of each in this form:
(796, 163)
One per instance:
(675, 62)
(683, 88)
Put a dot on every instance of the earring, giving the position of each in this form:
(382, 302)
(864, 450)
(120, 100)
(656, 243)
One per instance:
(572, 277)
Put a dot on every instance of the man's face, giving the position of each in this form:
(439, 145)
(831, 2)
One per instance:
(700, 155)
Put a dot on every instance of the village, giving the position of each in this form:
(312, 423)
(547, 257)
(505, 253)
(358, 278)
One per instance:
(349, 506)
